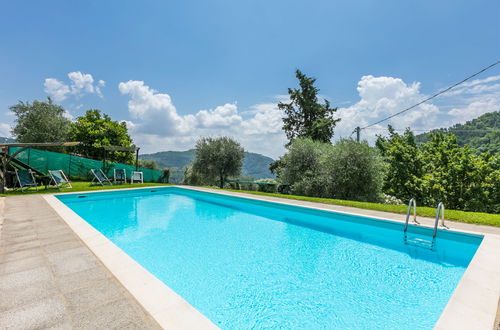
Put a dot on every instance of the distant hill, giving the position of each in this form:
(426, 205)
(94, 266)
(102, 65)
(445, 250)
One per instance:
(482, 134)
(255, 165)
(6, 140)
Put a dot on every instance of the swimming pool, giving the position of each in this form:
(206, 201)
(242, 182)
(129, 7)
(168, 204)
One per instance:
(246, 263)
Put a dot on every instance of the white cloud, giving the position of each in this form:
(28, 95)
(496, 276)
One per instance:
(68, 115)
(56, 89)
(221, 117)
(154, 111)
(381, 97)
(474, 110)
(157, 125)
(80, 84)
(5, 130)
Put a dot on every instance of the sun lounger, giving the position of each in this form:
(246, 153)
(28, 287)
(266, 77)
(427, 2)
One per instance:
(100, 177)
(59, 179)
(119, 175)
(26, 179)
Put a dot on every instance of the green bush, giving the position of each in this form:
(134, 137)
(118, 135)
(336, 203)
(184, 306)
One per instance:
(353, 171)
(347, 170)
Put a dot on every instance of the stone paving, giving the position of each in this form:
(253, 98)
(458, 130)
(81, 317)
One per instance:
(50, 279)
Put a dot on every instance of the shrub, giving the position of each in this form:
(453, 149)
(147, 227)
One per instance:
(347, 170)
(354, 171)
(270, 188)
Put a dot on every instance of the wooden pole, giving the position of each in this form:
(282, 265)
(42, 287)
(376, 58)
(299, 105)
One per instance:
(137, 159)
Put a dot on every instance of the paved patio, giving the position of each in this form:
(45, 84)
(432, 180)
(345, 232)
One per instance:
(50, 279)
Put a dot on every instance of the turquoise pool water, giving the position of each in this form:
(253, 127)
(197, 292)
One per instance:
(251, 264)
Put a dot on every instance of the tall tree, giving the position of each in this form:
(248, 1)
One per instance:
(218, 158)
(40, 122)
(96, 130)
(305, 116)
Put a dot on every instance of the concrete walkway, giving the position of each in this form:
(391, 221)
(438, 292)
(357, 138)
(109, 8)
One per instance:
(50, 279)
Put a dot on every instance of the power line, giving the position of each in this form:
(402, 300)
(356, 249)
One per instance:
(433, 96)
(449, 130)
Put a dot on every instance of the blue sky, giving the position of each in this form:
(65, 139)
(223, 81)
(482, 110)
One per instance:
(177, 70)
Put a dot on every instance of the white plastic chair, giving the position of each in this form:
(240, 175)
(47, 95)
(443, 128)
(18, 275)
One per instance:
(137, 177)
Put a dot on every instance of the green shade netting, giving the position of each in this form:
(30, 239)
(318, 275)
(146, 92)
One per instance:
(78, 168)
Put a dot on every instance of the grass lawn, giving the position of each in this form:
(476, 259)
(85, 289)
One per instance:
(460, 216)
(78, 186)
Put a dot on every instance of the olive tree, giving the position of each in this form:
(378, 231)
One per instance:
(346, 170)
(354, 171)
(301, 167)
(40, 122)
(218, 158)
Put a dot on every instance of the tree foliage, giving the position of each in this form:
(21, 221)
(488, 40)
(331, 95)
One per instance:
(346, 170)
(441, 171)
(40, 122)
(216, 160)
(404, 165)
(355, 171)
(148, 163)
(95, 130)
(305, 117)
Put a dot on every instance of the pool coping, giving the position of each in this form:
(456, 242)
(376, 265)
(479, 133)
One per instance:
(473, 303)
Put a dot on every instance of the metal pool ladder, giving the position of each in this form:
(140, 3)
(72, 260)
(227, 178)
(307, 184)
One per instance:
(421, 242)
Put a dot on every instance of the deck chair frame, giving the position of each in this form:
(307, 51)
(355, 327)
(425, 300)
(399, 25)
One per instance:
(62, 183)
(133, 179)
(122, 179)
(101, 180)
(22, 186)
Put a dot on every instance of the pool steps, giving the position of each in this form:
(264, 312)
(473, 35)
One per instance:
(420, 242)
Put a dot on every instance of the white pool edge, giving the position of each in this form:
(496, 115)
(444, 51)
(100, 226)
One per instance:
(473, 304)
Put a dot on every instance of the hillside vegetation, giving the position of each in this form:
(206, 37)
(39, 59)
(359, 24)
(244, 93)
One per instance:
(255, 165)
(6, 140)
(481, 134)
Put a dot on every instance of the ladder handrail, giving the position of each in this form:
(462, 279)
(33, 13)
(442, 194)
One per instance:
(410, 204)
(440, 207)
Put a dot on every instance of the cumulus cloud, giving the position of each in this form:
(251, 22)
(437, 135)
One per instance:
(221, 117)
(381, 97)
(5, 130)
(56, 89)
(80, 84)
(157, 125)
(154, 111)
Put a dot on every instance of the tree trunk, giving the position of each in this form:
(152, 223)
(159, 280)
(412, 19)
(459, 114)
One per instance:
(221, 181)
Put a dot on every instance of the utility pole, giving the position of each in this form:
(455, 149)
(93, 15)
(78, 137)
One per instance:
(358, 131)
